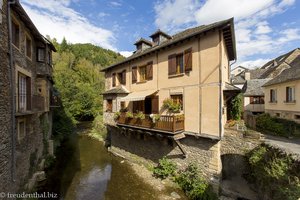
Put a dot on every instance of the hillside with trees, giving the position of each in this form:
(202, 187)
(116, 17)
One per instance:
(79, 82)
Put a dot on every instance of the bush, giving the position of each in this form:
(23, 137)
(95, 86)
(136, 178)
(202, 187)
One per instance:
(275, 174)
(155, 118)
(194, 185)
(236, 107)
(164, 169)
(276, 126)
(117, 115)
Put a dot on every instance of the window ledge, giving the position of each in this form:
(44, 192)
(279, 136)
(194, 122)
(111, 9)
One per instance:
(272, 102)
(176, 75)
(290, 102)
(140, 82)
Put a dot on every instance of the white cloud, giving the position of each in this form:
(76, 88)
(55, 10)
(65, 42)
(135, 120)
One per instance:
(254, 35)
(126, 53)
(103, 14)
(56, 19)
(115, 4)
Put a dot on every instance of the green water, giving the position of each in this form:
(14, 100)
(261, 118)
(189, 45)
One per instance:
(85, 170)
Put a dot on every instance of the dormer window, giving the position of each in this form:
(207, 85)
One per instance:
(142, 44)
(159, 36)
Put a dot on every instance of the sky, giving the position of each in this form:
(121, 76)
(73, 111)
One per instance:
(264, 29)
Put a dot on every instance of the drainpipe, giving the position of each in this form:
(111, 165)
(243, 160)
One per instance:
(12, 94)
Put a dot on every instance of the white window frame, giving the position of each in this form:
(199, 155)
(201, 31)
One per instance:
(291, 94)
(273, 100)
(22, 92)
(41, 58)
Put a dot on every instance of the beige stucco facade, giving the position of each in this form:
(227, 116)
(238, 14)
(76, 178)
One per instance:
(201, 88)
(281, 108)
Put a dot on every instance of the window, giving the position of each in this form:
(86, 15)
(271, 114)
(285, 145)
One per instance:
(142, 72)
(49, 58)
(21, 129)
(15, 34)
(297, 117)
(123, 79)
(28, 46)
(134, 74)
(24, 90)
(257, 100)
(290, 94)
(40, 54)
(108, 105)
(138, 106)
(177, 99)
(277, 114)
(114, 79)
(180, 63)
(273, 96)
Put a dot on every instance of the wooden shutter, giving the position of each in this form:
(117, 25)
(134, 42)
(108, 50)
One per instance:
(114, 79)
(28, 93)
(172, 64)
(188, 59)
(154, 105)
(134, 74)
(124, 77)
(149, 74)
(251, 100)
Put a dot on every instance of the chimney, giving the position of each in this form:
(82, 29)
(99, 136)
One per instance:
(247, 76)
(142, 44)
(159, 36)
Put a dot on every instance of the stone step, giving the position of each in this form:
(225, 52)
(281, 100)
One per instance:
(179, 136)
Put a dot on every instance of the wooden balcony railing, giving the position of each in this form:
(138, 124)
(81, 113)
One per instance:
(171, 124)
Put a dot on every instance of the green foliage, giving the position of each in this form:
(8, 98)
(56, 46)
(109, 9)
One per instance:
(140, 115)
(49, 161)
(236, 107)
(171, 106)
(165, 168)
(275, 174)
(99, 130)
(194, 185)
(155, 117)
(78, 80)
(117, 115)
(129, 115)
(276, 126)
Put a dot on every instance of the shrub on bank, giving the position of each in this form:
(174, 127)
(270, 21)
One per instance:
(190, 180)
(275, 174)
(276, 126)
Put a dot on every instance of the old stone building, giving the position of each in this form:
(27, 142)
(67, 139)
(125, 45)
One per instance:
(25, 105)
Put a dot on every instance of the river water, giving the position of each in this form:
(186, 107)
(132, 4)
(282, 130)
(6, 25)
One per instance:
(85, 170)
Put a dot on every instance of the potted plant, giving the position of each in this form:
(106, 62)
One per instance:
(129, 115)
(171, 106)
(155, 118)
(140, 116)
(117, 116)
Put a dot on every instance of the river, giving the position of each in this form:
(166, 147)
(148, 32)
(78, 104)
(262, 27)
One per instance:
(85, 170)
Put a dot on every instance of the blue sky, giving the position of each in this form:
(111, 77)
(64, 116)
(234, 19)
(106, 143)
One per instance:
(264, 28)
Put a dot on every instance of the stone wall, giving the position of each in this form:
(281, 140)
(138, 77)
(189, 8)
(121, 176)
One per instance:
(5, 106)
(202, 151)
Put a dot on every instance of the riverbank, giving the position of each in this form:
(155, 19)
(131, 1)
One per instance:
(166, 189)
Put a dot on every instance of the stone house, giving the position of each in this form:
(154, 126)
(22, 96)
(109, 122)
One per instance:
(282, 94)
(27, 94)
(189, 71)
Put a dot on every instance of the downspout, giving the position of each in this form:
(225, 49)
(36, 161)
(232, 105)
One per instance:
(220, 89)
(12, 95)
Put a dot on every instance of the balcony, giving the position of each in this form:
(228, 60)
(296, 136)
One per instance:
(169, 124)
(30, 104)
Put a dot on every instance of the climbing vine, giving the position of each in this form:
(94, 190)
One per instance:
(236, 107)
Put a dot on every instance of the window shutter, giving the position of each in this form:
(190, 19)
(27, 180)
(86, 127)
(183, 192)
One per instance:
(114, 79)
(124, 77)
(154, 105)
(251, 100)
(172, 64)
(28, 93)
(188, 59)
(149, 70)
(134, 74)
